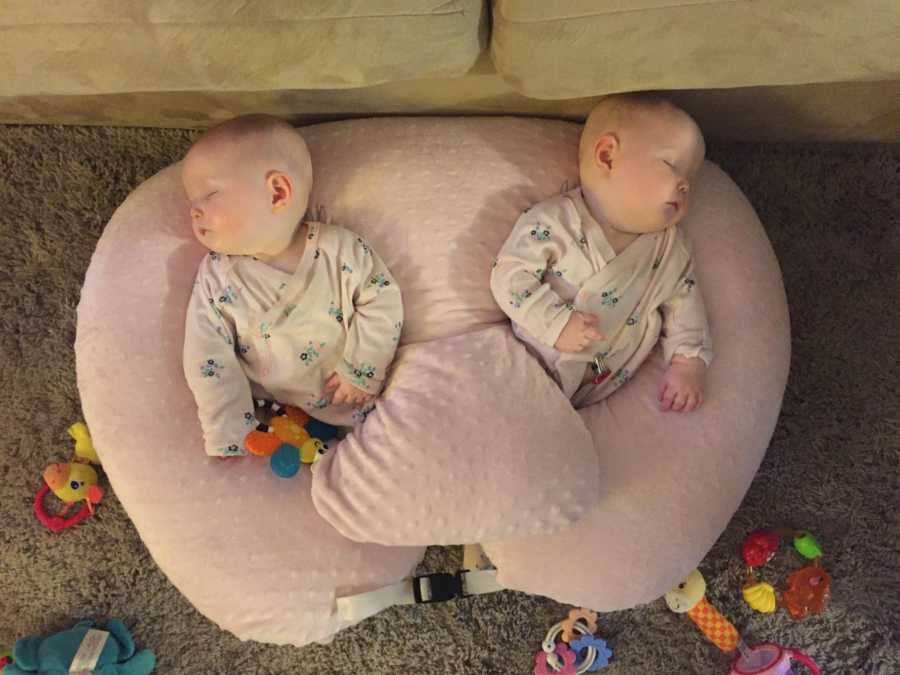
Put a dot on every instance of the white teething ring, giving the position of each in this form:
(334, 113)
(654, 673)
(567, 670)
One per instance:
(549, 647)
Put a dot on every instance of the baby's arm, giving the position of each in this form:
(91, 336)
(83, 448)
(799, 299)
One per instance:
(517, 282)
(211, 367)
(373, 331)
(687, 346)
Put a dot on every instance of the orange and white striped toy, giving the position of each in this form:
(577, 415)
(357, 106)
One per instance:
(689, 597)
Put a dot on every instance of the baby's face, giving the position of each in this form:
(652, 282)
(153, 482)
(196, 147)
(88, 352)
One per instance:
(231, 208)
(649, 186)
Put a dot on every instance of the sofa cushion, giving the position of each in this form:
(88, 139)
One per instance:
(577, 48)
(98, 46)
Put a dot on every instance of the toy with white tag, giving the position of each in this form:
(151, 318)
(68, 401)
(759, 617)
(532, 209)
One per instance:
(81, 649)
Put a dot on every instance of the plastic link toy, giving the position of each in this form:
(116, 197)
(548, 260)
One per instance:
(585, 654)
(808, 589)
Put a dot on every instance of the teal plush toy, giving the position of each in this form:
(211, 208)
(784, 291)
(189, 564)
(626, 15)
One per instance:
(54, 655)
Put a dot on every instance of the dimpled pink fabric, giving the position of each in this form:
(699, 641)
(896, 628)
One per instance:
(466, 444)
(470, 441)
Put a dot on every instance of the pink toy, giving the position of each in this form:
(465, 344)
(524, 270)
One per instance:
(56, 523)
(769, 658)
(566, 657)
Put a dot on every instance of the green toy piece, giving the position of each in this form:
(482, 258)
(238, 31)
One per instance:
(807, 546)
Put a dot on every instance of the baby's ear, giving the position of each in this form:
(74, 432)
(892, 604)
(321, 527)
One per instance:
(281, 189)
(605, 149)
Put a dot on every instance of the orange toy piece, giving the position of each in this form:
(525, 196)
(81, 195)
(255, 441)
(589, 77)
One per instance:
(720, 631)
(297, 415)
(586, 616)
(289, 431)
(262, 443)
(809, 589)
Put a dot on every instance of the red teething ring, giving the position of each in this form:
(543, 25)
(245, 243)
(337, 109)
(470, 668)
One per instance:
(56, 523)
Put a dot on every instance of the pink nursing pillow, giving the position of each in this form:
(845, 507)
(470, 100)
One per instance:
(470, 440)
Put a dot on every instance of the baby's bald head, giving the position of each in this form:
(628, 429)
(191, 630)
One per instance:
(638, 156)
(248, 181)
(622, 113)
(253, 143)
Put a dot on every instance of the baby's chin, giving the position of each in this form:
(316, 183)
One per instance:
(648, 227)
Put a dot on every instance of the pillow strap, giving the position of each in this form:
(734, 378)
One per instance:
(422, 589)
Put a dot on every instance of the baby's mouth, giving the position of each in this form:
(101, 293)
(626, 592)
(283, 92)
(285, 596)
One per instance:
(674, 205)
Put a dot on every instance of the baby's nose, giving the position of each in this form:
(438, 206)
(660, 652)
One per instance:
(196, 213)
(684, 187)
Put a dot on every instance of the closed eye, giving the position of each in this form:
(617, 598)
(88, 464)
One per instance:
(668, 163)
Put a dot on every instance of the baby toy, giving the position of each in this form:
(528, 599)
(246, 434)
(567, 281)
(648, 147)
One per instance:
(71, 482)
(689, 597)
(571, 656)
(84, 446)
(81, 649)
(762, 659)
(769, 658)
(808, 588)
(291, 438)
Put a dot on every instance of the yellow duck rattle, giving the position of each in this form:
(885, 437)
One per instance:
(72, 483)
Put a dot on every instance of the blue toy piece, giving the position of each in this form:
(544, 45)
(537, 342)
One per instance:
(53, 655)
(285, 461)
(318, 429)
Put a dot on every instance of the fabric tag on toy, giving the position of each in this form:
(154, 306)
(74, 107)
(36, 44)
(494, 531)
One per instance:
(88, 653)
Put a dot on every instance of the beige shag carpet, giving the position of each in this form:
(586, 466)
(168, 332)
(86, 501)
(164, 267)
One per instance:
(833, 214)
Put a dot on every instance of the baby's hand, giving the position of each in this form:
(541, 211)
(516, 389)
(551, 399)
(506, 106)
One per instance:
(578, 333)
(681, 388)
(346, 392)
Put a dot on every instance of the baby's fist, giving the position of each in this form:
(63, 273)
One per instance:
(681, 389)
(579, 332)
(346, 393)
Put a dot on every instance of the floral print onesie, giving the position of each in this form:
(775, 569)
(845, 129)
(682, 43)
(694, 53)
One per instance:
(557, 260)
(253, 331)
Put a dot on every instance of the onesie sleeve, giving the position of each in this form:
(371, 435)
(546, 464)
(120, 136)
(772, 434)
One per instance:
(685, 330)
(517, 279)
(373, 331)
(213, 373)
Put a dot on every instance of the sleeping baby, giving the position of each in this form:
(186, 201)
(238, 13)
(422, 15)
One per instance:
(297, 311)
(593, 278)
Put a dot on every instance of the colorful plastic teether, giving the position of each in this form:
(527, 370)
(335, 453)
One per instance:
(566, 655)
